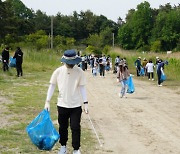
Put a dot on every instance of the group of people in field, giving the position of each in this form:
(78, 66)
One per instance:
(147, 68)
(6, 60)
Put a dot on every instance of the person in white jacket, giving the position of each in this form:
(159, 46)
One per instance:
(71, 82)
(150, 69)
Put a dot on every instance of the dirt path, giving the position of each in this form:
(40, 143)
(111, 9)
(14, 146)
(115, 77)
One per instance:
(147, 122)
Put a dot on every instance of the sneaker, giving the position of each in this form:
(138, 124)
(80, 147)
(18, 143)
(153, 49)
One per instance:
(149, 79)
(124, 96)
(63, 150)
(152, 79)
(160, 85)
(76, 152)
(120, 95)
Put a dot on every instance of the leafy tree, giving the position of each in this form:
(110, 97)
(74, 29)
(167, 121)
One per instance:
(125, 37)
(94, 40)
(42, 22)
(106, 36)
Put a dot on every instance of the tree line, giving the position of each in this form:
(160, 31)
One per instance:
(144, 28)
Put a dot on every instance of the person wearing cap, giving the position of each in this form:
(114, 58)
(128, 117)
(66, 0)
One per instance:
(160, 70)
(158, 61)
(71, 82)
(5, 59)
(122, 76)
(138, 65)
(144, 62)
(19, 60)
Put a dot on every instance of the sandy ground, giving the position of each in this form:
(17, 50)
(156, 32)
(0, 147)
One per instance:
(146, 122)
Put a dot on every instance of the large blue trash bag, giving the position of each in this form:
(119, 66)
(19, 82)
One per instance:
(130, 84)
(12, 62)
(42, 131)
(163, 77)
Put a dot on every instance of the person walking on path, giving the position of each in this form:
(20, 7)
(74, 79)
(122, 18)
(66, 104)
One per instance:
(71, 82)
(19, 60)
(144, 62)
(138, 65)
(122, 76)
(102, 64)
(150, 69)
(5, 59)
(160, 71)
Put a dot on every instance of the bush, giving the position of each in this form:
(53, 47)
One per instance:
(156, 46)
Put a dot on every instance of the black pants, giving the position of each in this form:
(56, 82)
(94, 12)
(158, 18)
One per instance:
(102, 70)
(5, 66)
(19, 69)
(150, 74)
(159, 77)
(138, 69)
(74, 114)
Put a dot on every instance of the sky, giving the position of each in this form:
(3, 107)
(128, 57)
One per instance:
(112, 9)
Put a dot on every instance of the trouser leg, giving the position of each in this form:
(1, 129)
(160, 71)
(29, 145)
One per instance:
(75, 119)
(63, 116)
(152, 74)
(159, 77)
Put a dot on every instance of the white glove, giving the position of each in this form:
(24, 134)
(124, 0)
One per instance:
(117, 80)
(47, 106)
(86, 108)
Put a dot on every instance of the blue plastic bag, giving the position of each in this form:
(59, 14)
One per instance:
(130, 84)
(141, 73)
(42, 131)
(163, 77)
(12, 62)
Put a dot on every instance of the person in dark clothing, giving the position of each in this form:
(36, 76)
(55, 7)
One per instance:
(160, 71)
(5, 59)
(19, 60)
(138, 65)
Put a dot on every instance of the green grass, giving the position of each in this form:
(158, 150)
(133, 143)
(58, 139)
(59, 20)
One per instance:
(27, 95)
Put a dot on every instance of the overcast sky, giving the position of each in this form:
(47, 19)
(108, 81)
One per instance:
(112, 9)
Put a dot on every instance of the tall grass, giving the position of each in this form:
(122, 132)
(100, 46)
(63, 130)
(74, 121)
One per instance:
(41, 60)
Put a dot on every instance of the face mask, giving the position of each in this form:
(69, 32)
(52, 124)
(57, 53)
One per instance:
(70, 65)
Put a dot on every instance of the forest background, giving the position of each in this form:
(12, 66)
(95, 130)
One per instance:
(144, 29)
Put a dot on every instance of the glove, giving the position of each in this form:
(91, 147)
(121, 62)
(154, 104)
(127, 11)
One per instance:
(47, 106)
(117, 80)
(86, 108)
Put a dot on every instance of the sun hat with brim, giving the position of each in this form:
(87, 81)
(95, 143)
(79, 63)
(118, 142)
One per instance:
(70, 57)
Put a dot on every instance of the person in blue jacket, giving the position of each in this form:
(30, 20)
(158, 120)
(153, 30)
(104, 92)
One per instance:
(138, 65)
(160, 71)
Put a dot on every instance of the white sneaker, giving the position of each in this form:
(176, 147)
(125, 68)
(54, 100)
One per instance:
(119, 94)
(124, 96)
(63, 150)
(152, 79)
(160, 85)
(76, 152)
(149, 79)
